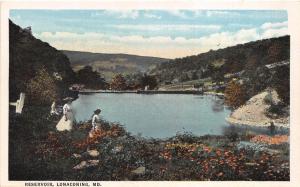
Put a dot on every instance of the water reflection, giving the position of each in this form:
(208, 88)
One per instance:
(218, 105)
(246, 129)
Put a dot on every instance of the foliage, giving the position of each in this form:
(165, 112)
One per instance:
(91, 79)
(133, 81)
(282, 83)
(275, 110)
(257, 80)
(112, 64)
(148, 80)
(235, 94)
(118, 83)
(42, 89)
(217, 76)
(140, 81)
(237, 58)
(275, 52)
(28, 55)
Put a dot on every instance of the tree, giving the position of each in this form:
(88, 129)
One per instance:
(118, 83)
(133, 81)
(257, 80)
(218, 76)
(282, 83)
(252, 62)
(42, 89)
(195, 75)
(275, 53)
(91, 79)
(148, 80)
(235, 94)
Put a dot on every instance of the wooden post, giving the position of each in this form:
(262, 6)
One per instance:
(19, 104)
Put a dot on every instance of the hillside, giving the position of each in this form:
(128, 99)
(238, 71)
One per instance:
(28, 56)
(219, 63)
(110, 64)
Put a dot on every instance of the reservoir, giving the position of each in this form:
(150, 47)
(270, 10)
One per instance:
(156, 115)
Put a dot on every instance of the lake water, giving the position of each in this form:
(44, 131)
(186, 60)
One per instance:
(157, 115)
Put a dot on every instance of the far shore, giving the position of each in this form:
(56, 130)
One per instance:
(88, 91)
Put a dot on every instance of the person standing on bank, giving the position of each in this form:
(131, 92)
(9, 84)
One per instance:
(53, 109)
(95, 119)
(66, 122)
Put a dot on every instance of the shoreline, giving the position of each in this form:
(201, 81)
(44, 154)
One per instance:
(234, 121)
(142, 91)
(196, 92)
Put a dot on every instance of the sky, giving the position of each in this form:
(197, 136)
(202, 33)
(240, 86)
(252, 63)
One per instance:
(160, 33)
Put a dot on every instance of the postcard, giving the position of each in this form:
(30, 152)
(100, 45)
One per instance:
(114, 93)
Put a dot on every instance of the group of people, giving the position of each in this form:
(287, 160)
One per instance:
(67, 120)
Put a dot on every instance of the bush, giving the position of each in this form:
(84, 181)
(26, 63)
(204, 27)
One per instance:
(282, 83)
(148, 80)
(118, 83)
(235, 94)
(91, 79)
(42, 89)
(275, 110)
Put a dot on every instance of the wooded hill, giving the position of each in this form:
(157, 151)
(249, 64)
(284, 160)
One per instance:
(34, 63)
(111, 64)
(217, 63)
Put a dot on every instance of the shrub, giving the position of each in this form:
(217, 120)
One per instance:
(282, 84)
(91, 79)
(118, 83)
(148, 80)
(235, 94)
(42, 89)
(276, 110)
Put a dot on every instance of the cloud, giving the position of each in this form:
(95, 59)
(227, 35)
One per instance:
(161, 46)
(277, 29)
(123, 14)
(180, 27)
(177, 13)
(151, 16)
(210, 13)
(198, 13)
(270, 25)
(270, 33)
(202, 13)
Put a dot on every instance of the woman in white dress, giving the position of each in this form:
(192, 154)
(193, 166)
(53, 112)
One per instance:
(95, 119)
(66, 122)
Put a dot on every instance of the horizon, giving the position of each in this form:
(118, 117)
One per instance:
(287, 35)
(155, 33)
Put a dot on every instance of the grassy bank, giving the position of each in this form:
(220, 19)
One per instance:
(38, 152)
